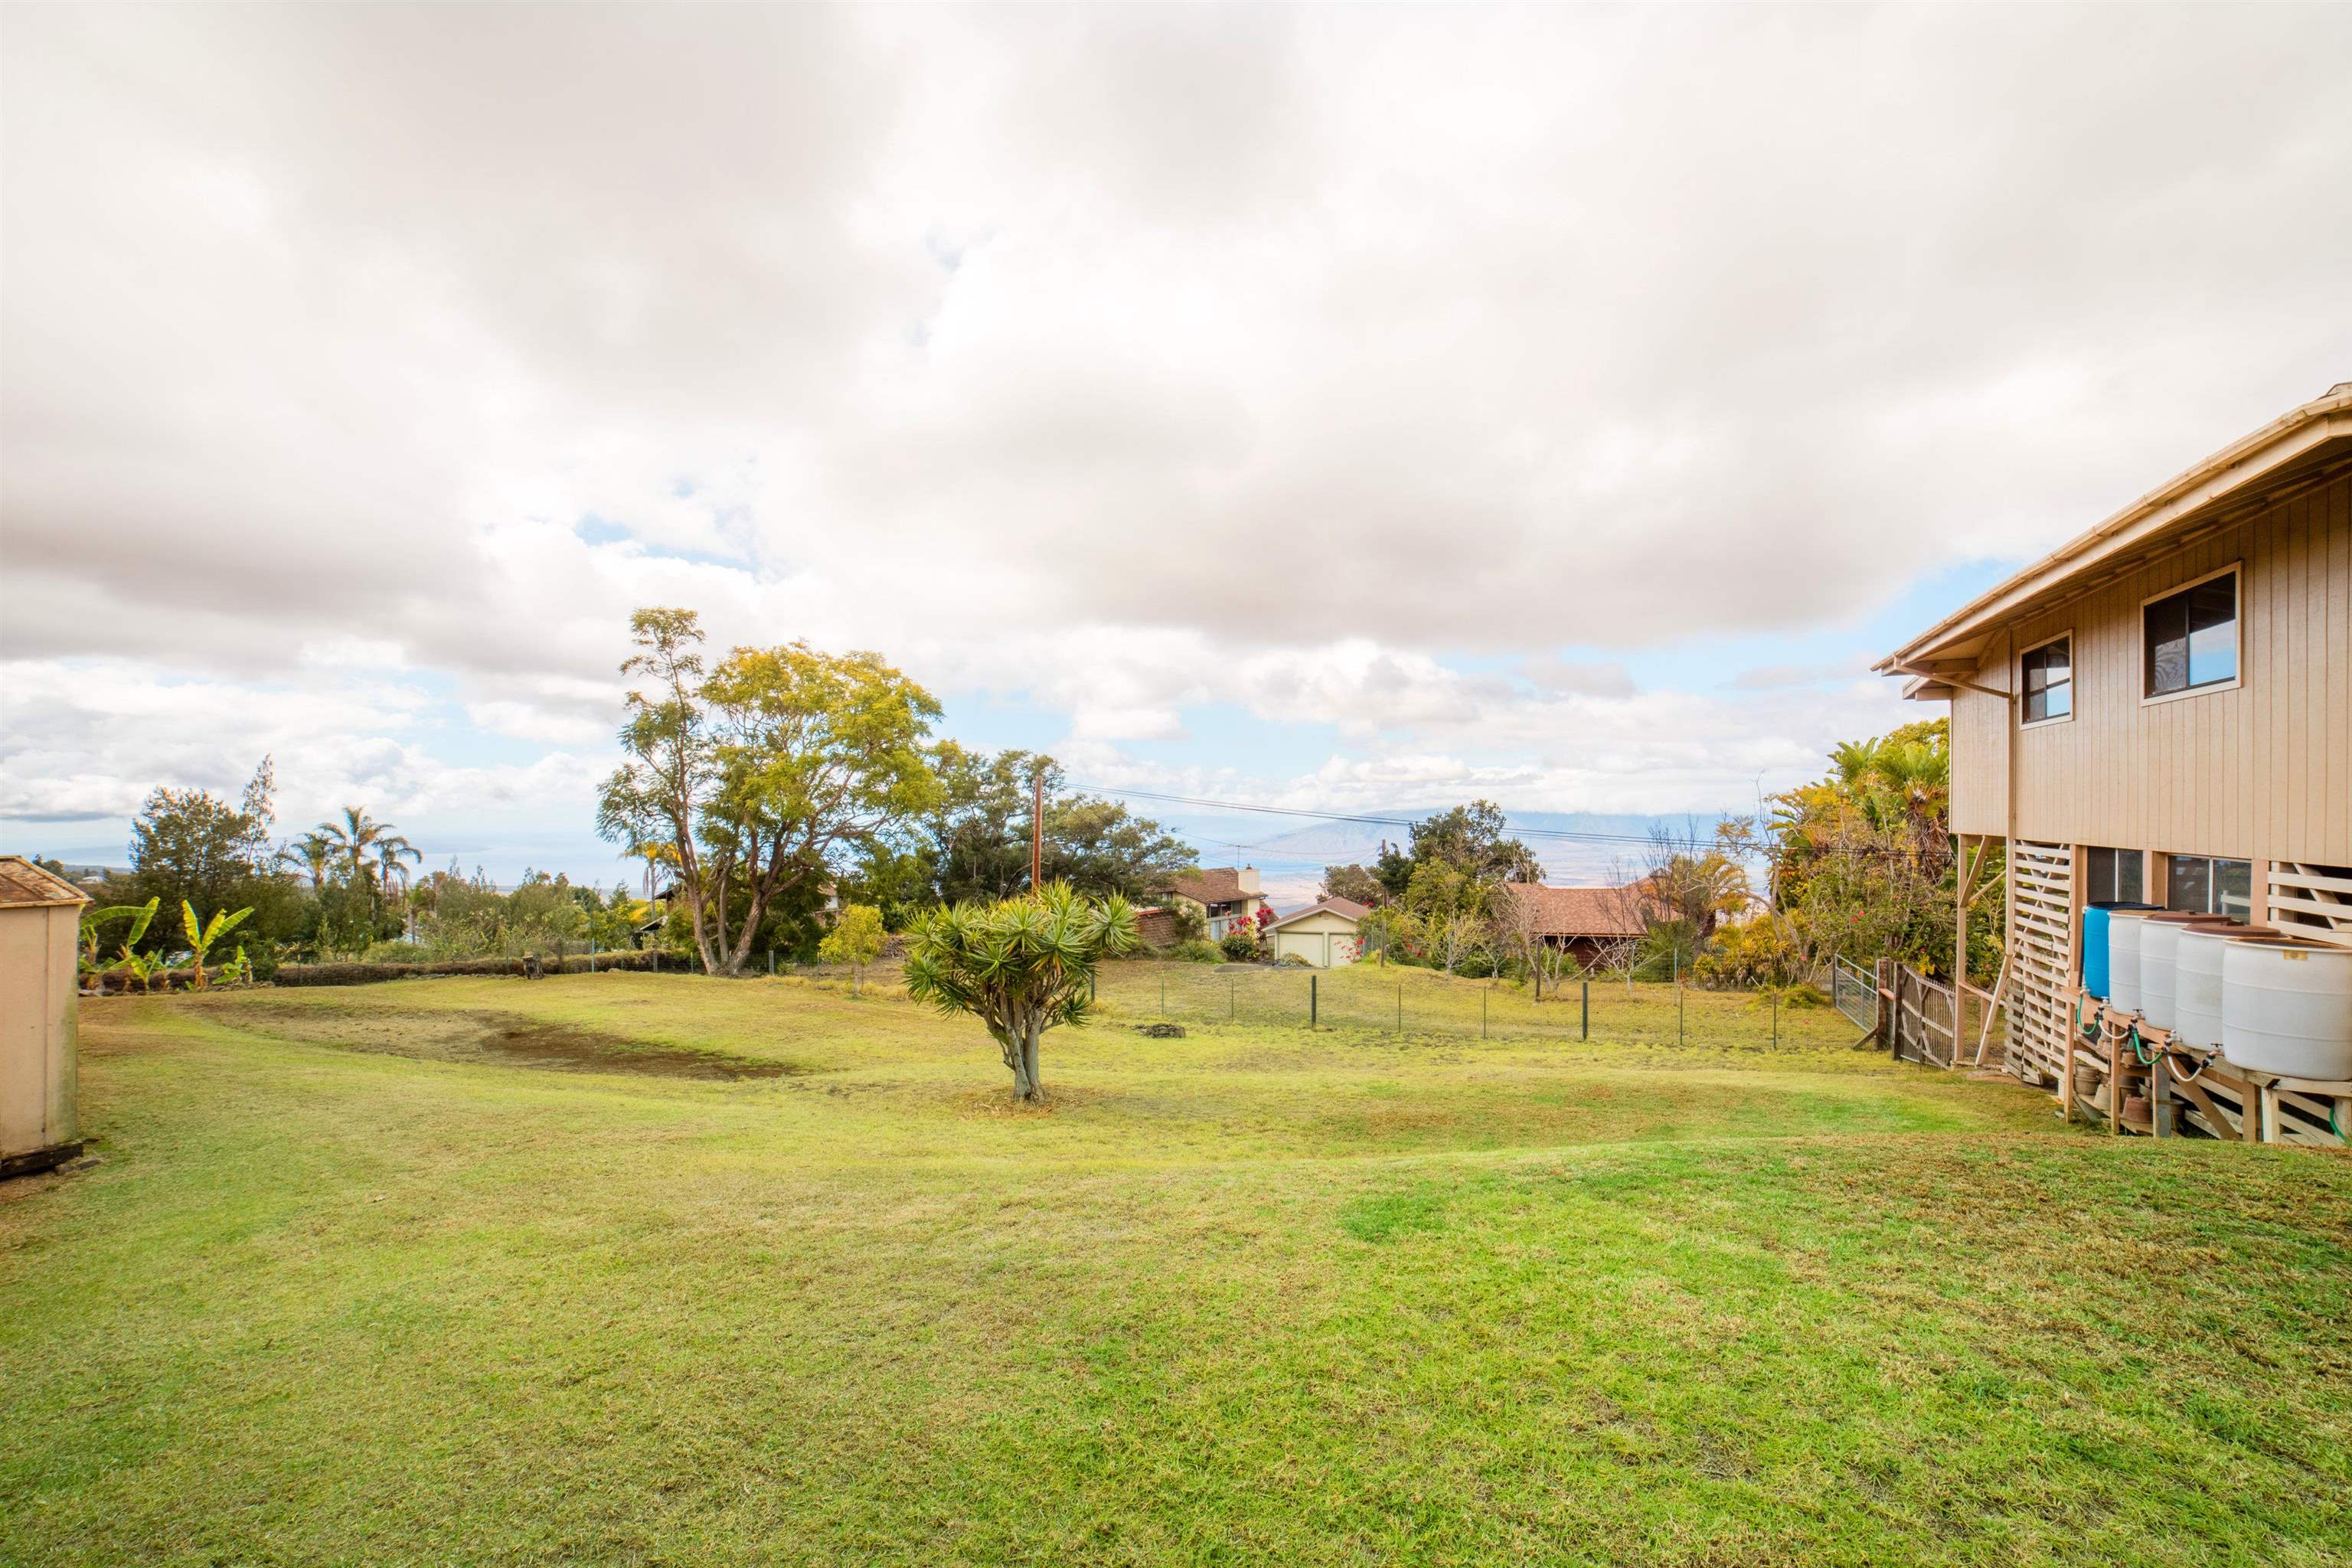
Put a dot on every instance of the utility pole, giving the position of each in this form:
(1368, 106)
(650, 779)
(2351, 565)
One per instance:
(1036, 826)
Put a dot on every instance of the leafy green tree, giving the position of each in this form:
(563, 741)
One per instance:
(976, 836)
(1471, 838)
(1021, 966)
(1355, 884)
(1450, 906)
(855, 939)
(191, 844)
(759, 775)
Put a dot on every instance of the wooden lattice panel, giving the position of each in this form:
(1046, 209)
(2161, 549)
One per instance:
(2310, 900)
(2042, 959)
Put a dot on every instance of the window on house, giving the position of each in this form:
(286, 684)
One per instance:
(2205, 886)
(2049, 680)
(2113, 876)
(2192, 637)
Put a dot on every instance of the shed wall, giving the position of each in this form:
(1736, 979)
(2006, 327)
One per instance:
(37, 1062)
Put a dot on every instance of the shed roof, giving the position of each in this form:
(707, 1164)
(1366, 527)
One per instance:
(24, 885)
(2303, 448)
(1345, 909)
(1581, 911)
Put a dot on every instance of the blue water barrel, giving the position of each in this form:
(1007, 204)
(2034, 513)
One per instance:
(2095, 945)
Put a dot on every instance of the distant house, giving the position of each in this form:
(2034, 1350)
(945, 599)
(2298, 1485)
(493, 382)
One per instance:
(1225, 895)
(1582, 920)
(1323, 934)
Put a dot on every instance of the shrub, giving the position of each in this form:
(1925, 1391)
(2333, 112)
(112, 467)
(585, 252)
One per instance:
(1240, 944)
(1197, 951)
(1761, 951)
(1293, 961)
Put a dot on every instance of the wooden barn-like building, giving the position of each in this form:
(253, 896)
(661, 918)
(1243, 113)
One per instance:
(2160, 711)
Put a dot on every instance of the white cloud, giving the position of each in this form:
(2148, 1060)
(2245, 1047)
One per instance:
(1131, 358)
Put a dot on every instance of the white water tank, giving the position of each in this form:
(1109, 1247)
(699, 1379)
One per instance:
(2123, 958)
(2287, 1007)
(2159, 953)
(2197, 981)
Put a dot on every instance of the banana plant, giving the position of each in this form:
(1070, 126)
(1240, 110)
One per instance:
(203, 935)
(238, 971)
(140, 916)
(144, 967)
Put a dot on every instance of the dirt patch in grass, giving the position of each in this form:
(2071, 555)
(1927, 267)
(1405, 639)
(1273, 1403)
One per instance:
(996, 1103)
(500, 1037)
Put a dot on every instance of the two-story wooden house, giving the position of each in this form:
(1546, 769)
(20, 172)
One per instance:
(2161, 710)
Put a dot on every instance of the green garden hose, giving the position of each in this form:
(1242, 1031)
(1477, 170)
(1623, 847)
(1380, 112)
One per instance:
(2140, 1053)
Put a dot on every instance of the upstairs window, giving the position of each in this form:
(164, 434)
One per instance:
(2190, 637)
(2049, 672)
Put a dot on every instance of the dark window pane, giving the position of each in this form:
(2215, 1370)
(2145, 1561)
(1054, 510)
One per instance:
(2192, 637)
(2233, 890)
(2167, 647)
(2130, 885)
(2102, 869)
(2188, 884)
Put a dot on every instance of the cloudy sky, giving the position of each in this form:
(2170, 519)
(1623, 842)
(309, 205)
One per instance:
(1337, 407)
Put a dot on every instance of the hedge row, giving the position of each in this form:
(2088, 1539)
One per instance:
(368, 973)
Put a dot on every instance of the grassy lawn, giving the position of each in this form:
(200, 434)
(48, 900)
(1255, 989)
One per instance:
(638, 1269)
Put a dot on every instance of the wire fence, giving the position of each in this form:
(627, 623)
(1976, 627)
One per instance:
(1423, 1004)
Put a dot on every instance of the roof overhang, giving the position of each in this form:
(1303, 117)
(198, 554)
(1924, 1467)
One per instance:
(2298, 451)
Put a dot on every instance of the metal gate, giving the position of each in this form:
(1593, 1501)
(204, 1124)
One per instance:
(1854, 993)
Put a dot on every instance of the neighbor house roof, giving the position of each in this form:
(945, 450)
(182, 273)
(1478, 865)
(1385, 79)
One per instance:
(1210, 885)
(24, 885)
(2301, 448)
(1345, 909)
(1579, 912)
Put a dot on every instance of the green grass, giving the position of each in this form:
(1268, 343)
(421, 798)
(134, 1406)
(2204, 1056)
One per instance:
(499, 1271)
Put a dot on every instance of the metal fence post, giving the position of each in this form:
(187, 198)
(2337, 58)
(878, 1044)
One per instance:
(1679, 1037)
(1587, 1027)
(1314, 1000)
(771, 961)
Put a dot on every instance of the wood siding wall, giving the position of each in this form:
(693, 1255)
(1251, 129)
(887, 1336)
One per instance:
(2263, 771)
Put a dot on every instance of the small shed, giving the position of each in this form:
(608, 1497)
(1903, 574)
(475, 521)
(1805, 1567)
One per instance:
(1323, 933)
(40, 923)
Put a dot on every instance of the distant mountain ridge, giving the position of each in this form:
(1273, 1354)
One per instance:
(1290, 858)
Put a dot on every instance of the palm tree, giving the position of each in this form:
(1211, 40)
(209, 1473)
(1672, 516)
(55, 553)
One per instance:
(391, 849)
(313, 852)
(369, 848)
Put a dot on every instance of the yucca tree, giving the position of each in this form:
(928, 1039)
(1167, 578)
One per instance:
(1021, 966)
